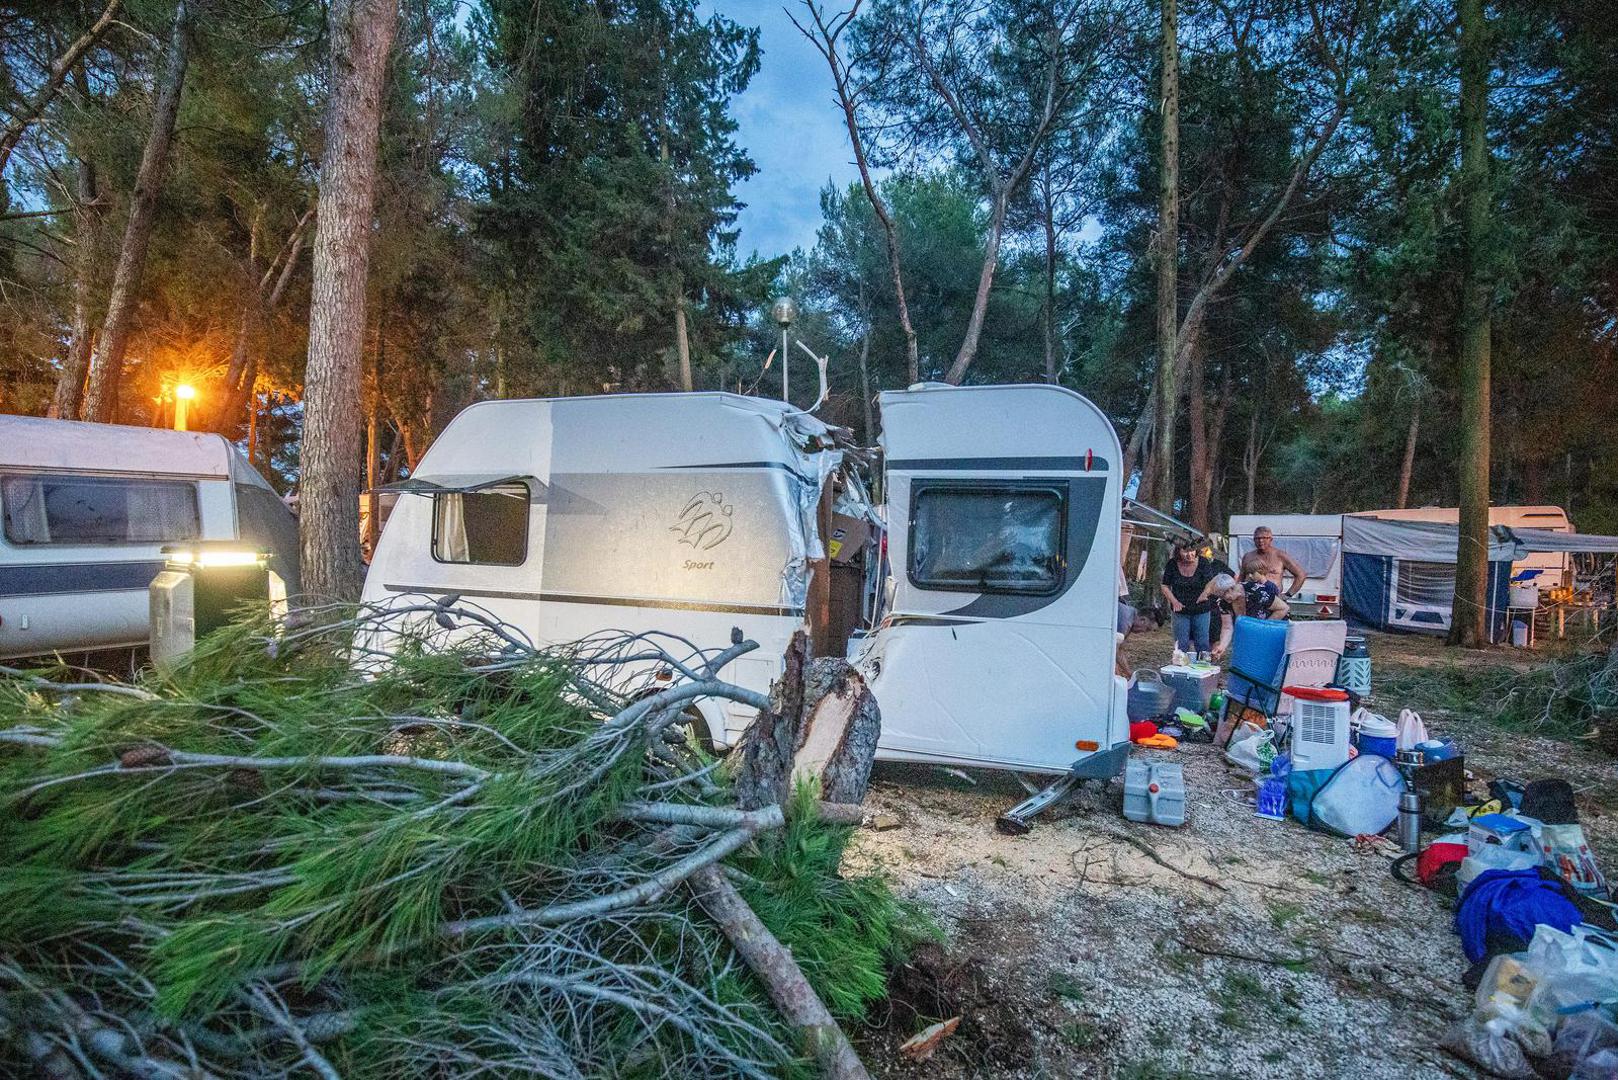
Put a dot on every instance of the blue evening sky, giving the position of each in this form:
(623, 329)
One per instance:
(790, 124)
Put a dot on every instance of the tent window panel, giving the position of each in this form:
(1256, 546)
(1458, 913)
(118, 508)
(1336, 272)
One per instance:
(1430, 583)
(487, 527)
(988, 539)
(61, 509)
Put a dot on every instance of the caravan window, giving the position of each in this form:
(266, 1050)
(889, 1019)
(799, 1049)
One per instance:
(44, 508)
(488, 527)
(1004, 538)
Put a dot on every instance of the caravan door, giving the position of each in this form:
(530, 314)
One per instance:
(1004, 511)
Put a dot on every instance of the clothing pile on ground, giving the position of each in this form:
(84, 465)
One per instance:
(1534, 914)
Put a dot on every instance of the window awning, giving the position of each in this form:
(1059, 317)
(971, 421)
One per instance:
(464, 484)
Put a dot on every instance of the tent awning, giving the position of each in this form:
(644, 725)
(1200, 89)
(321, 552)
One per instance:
(1418, 541)
(463, 484)
(1546, 540)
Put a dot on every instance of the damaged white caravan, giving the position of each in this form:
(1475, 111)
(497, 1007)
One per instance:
(981, 611)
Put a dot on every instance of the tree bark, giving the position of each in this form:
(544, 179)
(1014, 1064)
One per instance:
(107, 362)
(1168, 246)
(868, 406)
(783, 980)
(1197, 421)
(55, 75)
(1250, 459)
(1409, 463)
(361, 36)
(1467, 619)
(822, 725)
(980, 301)
(682, 344)
(1049, 207)
(70, 383)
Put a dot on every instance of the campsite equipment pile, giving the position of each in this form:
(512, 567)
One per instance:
(460, 855)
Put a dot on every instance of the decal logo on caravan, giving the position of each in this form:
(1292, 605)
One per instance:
(705, 522)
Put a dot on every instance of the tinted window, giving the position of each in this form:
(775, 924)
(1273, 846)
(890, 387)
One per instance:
(488, 527)
(50, 509)
(987, 539)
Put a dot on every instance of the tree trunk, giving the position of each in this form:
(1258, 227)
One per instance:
(1250, 458)
(70, 384)
(1168, 235)
(1051, 374)
(783, 979)
(361, 35)
(1409, 462)
(1467, 626)
(1197, 420)
(868, 405)
(822, 725)
(55, 75)
(980, 302)
(107, 362)
(682, 343)
(824, 38)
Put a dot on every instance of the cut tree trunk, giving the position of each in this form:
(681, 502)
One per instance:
(823, 725)
(107, 362)
(330, 459)
(70, 383)
(1467, 617)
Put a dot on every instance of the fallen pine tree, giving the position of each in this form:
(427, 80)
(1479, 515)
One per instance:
(320, 849)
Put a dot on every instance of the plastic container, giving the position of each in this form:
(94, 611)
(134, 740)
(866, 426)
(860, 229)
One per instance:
(1154, 792)
(1354, 667)
(1438, 750)
(1519, 634)
(1193, 686)
(1376, 734)
(1257, 651)
(1148, 697)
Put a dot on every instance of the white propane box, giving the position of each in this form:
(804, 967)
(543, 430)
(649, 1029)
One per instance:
(1155, 792)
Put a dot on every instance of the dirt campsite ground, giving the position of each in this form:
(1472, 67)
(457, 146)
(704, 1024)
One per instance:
(1231, 947)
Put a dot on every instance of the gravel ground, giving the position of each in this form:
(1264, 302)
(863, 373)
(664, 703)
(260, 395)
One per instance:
(1233, 946)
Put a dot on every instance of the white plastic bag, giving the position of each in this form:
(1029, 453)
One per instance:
(1412, 732)
(1564, 849)
(1576, 968)
(1244, 747)
(1361, 797)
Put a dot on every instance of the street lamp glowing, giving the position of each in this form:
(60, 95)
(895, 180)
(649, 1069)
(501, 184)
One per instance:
(183, 394)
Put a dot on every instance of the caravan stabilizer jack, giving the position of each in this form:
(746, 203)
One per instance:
(1102, 766)
(1019, 819)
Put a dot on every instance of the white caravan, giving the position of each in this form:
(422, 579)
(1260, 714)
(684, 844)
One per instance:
(87, 510)
(1314, 540)
(1547, 569)
(989, 642)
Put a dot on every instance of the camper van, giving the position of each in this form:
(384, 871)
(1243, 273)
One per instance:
(87, 510)
(978, 599)
(1315, 541)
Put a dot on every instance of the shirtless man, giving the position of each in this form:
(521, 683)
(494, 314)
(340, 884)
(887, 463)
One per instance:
(1272, 561)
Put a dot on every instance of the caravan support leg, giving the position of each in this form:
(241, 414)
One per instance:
(1019, 819)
